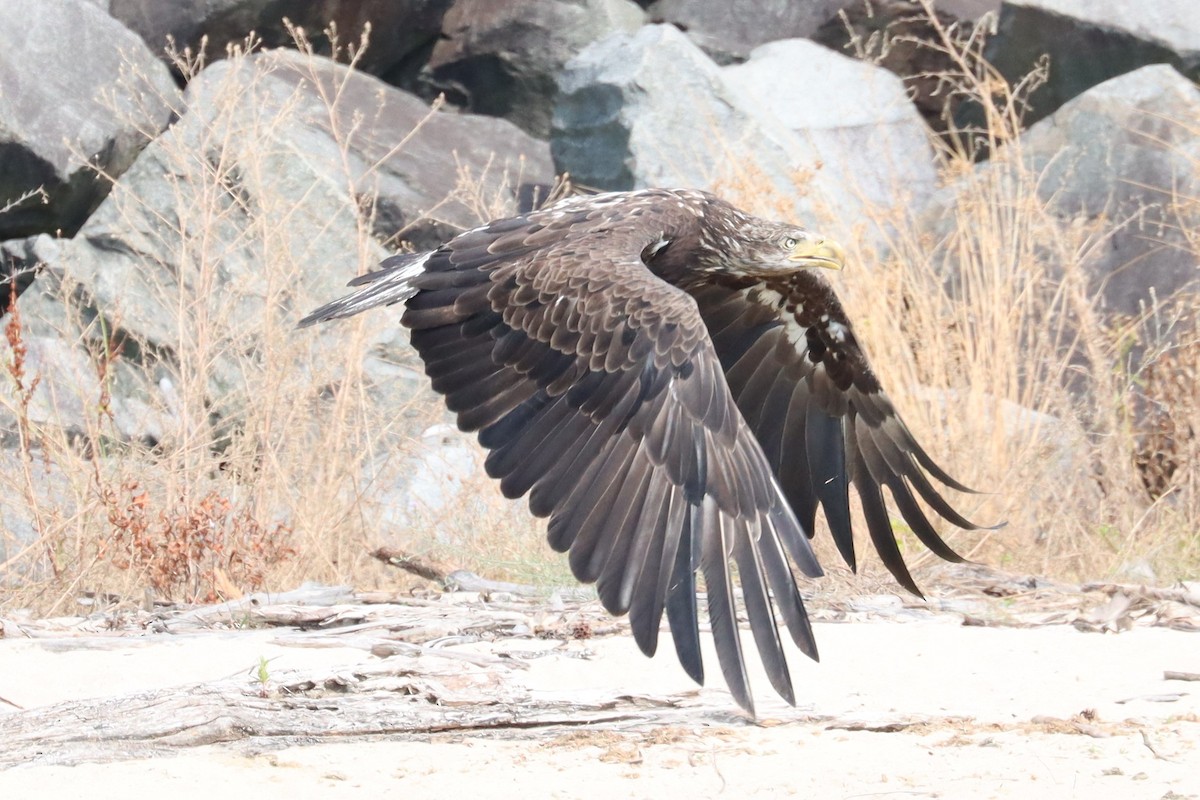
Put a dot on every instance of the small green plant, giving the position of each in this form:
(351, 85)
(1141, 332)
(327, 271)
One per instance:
(263, 675)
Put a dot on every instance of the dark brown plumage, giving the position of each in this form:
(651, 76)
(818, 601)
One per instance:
(674, 386)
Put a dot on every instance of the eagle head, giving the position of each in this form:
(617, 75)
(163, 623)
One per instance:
(737, 243)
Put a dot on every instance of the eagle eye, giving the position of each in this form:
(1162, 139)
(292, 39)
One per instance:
(789, 243)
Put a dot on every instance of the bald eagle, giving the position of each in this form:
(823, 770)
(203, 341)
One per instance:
(670, 381)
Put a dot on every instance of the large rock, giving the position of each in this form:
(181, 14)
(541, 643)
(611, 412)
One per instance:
(17, 266)
(652, 110)
(901, 36)
(79, 95)
(866, 134)
(502, 58)
(66, 385)
(433, 173)
(45, 498)
(729, 31)
(1061, 444)
(1124, 151)
(1090, 41)
(438, 481)
(971, 11)
(1113, 176)
(258, 204)
(1123, 155)
(402, 31)
(62, 389)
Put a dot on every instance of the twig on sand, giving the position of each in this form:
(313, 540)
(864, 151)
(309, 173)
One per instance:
(415, 565)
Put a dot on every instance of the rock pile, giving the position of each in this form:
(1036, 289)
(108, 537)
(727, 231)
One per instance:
(153, 197)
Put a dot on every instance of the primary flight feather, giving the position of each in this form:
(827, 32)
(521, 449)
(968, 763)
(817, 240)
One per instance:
(674, 385)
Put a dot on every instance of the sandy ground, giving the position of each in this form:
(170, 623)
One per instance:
(895, 709)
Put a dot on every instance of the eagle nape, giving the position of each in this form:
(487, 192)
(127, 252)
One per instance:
(677, 388)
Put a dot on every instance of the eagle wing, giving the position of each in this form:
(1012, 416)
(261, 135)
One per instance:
(803, 384)
(665, 432)
(595, 387)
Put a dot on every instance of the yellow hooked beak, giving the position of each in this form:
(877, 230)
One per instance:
(818, 252)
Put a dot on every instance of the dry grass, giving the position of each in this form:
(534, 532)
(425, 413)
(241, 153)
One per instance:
(272, 449)
(275, 449)
(1083, 429)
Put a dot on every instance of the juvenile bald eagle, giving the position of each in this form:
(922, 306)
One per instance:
(672, 384)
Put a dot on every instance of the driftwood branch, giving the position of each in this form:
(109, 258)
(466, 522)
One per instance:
(421, 685)
(415, 565)
(402, 696)
(1180, 595)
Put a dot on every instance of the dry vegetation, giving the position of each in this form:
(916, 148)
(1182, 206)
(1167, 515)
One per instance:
(1000, 358)
(280, 481)
(271, 452)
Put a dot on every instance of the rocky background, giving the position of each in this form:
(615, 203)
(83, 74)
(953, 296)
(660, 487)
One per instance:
(182, 181)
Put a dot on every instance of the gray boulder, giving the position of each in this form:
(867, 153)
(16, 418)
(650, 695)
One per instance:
(901, 36)
(402, 31)
(18, 264)
(652, 110)
(79, 95)
(246, 214)
(502, 58)
(1061, 444)
(434, 478)
(1124, 151)
(50, 489)
(68, 381)
(968, 10)
(867, 135)
(58, 383)
(1090, 41)
(62, 389)
(1120, 152)
(1116, 166)
(729, 31)
(432, 173)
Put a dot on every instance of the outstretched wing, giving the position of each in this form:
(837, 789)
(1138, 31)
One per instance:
(596, 389)
(804, 386)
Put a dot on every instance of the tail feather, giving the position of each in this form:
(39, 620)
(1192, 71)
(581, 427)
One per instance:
(392, 284)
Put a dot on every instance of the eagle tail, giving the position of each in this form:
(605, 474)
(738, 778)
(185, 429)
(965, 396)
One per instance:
(383, 287)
